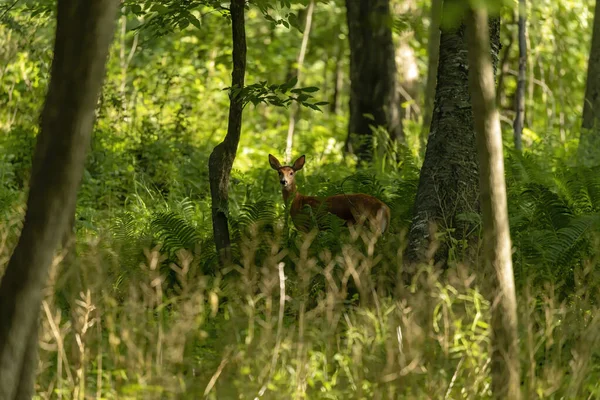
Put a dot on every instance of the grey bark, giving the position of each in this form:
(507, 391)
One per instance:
(83, 34)
(520, 94)
(374, 100)
(589, 142)
(449, 184)
(505, 367)
(221, 159)
(433, 54)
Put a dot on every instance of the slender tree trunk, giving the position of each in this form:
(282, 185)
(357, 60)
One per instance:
(408, 70)
(504, 67)
(520, 94)
(299, 65)
(221, 159)
(449, 181)
(83, 35)
(433, 54)
(374, 99)
(335, 105)
(589, 142)
(530, 81)
(125, 59)
(496, 234)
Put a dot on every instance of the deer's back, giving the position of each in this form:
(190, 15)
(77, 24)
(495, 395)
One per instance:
(349, 207)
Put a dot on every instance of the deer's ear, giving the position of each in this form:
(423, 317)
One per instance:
(275, 164)
(299, 163)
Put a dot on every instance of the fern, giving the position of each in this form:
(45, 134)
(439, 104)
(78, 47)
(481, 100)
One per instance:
(125, 228)
(259, 213)
(550, 207)
(567, 239)
(186, 208)
(174, 232)
(591, 177)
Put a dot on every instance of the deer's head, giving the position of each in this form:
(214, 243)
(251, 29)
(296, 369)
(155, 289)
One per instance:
(287, 177)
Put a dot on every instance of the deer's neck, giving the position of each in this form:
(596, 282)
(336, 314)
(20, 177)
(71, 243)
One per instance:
(290, 193)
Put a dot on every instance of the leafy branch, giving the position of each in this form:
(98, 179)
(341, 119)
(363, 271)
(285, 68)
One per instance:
(281, 95)
(164, 16)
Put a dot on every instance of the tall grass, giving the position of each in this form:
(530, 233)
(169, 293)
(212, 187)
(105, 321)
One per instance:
(297, 322)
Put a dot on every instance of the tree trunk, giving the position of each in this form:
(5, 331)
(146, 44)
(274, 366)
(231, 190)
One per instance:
(125, 59)
(433, 54)
(449, 183)
(589, 142)
(374, 100)
(504, 69)
(520, 94)
(221, 159)
(335, 104)
(496, 233)
(83, 35)
(406, 63)
(299, 66)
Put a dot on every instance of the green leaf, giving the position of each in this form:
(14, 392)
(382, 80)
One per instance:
(194, 21)
(293, 20)
(184, 23)
(159, 8)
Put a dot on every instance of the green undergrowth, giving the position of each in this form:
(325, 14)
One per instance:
(300, 324)
(142, 309)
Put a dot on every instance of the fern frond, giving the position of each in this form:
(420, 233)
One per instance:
(567, 239)
(174, 232)
(550, 207)
(259, 213)
(124, 228)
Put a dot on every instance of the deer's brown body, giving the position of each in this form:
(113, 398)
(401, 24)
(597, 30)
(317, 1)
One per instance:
(352, 208)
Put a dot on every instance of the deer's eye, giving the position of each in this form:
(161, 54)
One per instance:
(291, 173)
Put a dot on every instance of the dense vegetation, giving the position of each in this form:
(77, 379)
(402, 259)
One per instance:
(141, 307)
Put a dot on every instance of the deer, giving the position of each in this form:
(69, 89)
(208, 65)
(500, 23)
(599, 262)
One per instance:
(357, 208)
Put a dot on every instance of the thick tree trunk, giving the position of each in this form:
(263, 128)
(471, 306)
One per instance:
(449, 183)
(83, 35)
(433, 54)
(520, 94)
(374, 100)
(589, 142)
(221, 159)
(299, 65)
(496, 234)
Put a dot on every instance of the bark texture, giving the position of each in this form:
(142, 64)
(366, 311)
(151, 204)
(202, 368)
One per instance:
(506, 380)
(83, 35)
(221, 159)
(374, 100)
(520, 94)
(433, 53)
(589, 141)
(449, 182)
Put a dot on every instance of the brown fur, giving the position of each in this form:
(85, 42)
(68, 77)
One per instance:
(352, 208)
